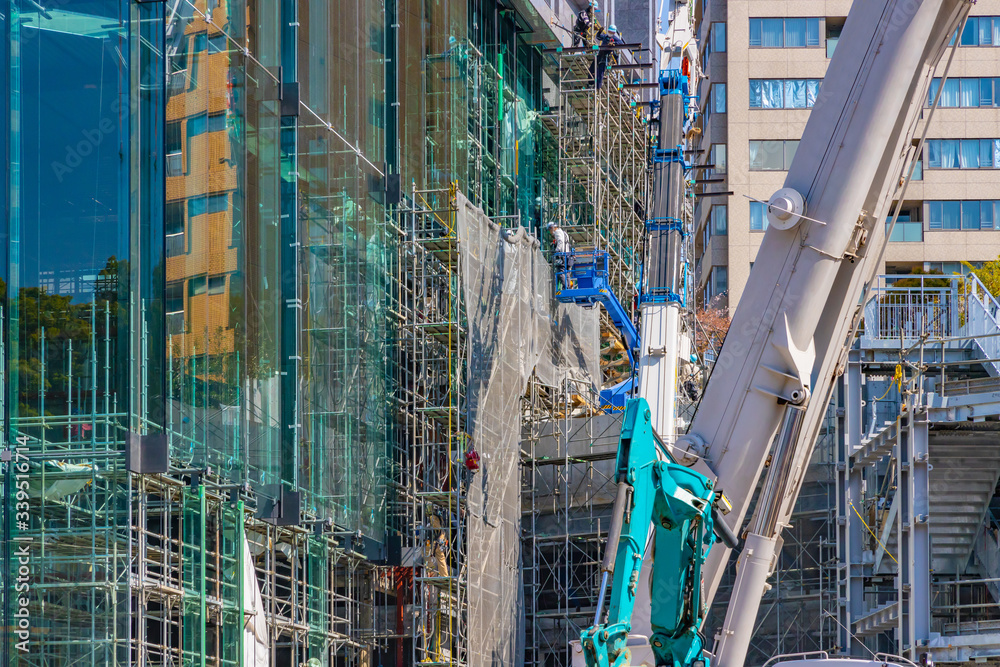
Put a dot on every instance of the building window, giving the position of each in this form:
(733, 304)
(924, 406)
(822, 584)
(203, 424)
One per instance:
(217, 285)
(718, 98)
(174, 306)
(174, 228)
(963, 153)
(969, 92)
(907, 229)
(952, 268)
(833, 31)
(772, 155)
(204, 123)
(218, 43)
(197, 285)
(172, 146)
(758, 216)
(201, 205)
(981, 31)
(783, 93)
(717, 157)
(717, 37)
(784, 33)
(719, 280)
(720, 220)
(968, 215)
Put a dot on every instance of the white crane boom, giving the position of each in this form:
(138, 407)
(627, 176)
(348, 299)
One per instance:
(789, 334)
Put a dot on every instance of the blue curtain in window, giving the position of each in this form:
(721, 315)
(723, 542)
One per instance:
(934, 215)
(996, 153)
(812, 32)
(970, 92)
(755, 157)
(949, 153)
(771, 91)
(985, 154)
(812, 92)
(795, 94)
(968, 155)
(758, 221)
(932, 93)
(720, 97)
(795, 32)
(950, 95)
(986, 92)
(755, 32)
(986, 215)
(985, 31)
(933, 154)
(970, 215)
(719, 220)
(996, 32)
(772, 31)
(951, 215)
(756, 101)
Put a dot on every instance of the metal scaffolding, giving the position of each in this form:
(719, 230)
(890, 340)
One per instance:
(434, 349)
(603, 145)
(568, 453)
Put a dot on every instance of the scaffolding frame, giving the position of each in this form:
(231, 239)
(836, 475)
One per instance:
(604, 163)
(434, 348)
(565, 519)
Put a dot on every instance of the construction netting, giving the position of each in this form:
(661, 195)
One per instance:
(516, 328)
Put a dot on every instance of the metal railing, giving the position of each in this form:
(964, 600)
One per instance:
(904, 309)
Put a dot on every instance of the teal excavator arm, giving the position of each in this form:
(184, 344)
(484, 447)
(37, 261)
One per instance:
(681, 504)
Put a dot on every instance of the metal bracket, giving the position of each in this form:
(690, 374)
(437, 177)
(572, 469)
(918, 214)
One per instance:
(858, 237)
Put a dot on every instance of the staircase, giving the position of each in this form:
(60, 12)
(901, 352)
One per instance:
(981, 323)
(960, 319)
(966, 460)
(986, 551)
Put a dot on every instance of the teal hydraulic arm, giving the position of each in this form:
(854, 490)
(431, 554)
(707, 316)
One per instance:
(680, 503)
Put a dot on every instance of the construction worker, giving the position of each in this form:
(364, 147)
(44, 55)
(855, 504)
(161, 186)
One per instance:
(437, 547)
(607, 40)
(563, 254)
(582, 27)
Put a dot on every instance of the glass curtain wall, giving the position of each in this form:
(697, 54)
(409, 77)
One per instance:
(344, 261)
(65, 282)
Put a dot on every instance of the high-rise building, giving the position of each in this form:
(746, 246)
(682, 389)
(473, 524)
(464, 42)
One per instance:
(764, 64)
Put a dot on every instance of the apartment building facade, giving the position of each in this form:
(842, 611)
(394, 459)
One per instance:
(764, 65)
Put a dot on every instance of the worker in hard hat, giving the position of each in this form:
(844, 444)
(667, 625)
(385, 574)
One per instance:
(581, 28)
(608, 39)
(563, 254)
